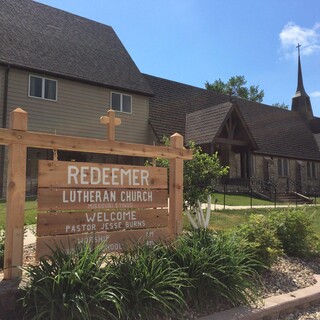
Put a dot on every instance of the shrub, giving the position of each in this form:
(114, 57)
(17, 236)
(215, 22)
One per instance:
(219, 266)
(152, 283)
(294, 230)
(1, 248)
(262, 236)
(71, 286)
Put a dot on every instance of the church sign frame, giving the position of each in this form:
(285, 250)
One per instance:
(18, 139)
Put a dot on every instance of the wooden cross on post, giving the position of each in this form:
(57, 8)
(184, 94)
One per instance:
(111, 121)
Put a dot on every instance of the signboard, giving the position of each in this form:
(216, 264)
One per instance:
(103, 202)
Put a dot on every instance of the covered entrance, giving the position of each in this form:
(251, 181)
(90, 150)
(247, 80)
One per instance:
(222, 129)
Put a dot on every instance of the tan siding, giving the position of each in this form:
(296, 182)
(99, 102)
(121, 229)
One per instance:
(77, 110)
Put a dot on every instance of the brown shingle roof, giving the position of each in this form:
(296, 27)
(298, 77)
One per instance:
(202, 126)
(276, 131)
(39, 37)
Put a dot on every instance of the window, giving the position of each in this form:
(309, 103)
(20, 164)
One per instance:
(283, 168)
(42, 88)
(121, 102)
(311, 170)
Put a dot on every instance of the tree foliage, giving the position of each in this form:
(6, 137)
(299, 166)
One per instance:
(199, 174)
(236, 86)
(281, 105)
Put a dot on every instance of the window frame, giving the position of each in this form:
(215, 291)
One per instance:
(121, 101)
(311, 170)
(283, 167)
(43, 84)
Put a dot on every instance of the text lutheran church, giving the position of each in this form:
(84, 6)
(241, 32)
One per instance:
(64, 70)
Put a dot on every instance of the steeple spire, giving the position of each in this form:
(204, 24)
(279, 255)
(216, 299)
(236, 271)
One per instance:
(301, 101)
(300, 88)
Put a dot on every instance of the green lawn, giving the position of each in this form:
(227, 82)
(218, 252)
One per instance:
(238, 200)
(224, 219)
(30, 213)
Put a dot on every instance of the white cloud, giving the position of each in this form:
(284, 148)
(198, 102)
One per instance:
(315, 94)
(293, 34)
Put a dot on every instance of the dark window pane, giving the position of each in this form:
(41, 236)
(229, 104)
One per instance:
(314, 175)
(285, 168)
(50, 91)
(35, 87)
(115, 101)
(126, 103)
(279, 167)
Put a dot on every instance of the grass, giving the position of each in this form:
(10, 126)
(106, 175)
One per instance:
(239, 200)
(30, 213)
(222, 220)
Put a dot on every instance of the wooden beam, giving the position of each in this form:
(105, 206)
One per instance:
(69, 143)
(16, 189)
(232, 142)
(176, 188)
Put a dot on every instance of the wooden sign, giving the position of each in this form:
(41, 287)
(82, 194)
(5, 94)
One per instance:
(57, 223)
(118, 203)
(18, 138)
(63, 174)
(115, 241)
(82, 199)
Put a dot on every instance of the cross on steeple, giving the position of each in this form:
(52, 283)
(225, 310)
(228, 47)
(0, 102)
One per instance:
(111, 121)
(298, 46)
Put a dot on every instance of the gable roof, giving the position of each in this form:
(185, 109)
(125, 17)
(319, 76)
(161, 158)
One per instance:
(206, 125)
(276, 131)
(41, 38)
(203, 126)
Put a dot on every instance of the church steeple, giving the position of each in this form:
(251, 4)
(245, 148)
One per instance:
(300, 88)
(301, 101)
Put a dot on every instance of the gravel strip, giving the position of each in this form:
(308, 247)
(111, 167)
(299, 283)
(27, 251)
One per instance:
(310, 313)
(287, 274)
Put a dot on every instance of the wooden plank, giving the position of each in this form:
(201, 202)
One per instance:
(55, 223)
(82, 199)
(16, 187)
(115, 241)
(68, 143)
(64, 174)
(176, 188)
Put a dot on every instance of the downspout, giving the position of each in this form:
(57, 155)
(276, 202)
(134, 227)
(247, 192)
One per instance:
(4, 125)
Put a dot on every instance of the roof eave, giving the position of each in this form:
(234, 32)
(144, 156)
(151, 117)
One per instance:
(79, 79)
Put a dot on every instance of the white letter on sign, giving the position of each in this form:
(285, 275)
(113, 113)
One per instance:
(73, 172)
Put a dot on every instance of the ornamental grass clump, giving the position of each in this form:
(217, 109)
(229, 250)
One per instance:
(72, 286)
(152, 283)
(221, 268)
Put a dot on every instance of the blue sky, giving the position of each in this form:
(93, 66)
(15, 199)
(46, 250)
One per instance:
(194, 41)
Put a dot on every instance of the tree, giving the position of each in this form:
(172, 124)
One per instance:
(237, 86)
(281, 105)
(199, 174)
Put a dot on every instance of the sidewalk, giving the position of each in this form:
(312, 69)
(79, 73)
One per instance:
(29, 236)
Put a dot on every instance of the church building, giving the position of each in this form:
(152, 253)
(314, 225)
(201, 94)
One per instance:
(66, 71)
